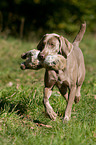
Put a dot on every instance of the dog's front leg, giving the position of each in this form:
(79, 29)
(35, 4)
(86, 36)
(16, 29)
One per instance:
(70, 102)
(49, 109)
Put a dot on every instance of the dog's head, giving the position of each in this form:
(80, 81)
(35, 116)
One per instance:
(53, 44)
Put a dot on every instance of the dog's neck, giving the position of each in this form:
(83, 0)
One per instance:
(70, 52)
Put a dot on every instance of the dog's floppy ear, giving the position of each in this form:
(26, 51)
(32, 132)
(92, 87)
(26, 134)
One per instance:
(65, 46)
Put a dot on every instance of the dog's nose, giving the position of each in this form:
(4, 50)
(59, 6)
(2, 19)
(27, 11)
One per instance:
(41, 57)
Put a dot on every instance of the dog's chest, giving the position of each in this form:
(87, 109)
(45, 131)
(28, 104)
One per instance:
(63, 78)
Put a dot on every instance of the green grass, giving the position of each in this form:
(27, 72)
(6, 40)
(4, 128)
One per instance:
(21, 96)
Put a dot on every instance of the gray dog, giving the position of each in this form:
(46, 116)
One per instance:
(69, 80)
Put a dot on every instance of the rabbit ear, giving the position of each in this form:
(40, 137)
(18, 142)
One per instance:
(65, 46)
(25, 55)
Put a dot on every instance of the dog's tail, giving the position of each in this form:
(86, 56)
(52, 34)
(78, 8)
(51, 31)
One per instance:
(80, 34)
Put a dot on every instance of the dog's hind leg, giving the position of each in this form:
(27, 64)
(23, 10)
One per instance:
(81, 76)
(64, 92)
(78, 94)
(70, 102)
(49, 109)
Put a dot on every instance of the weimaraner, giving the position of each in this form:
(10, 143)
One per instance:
(70, 79)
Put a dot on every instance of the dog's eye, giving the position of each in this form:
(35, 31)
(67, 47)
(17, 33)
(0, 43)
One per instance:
(51, 44)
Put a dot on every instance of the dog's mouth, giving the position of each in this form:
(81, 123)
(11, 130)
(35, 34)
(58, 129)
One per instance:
(42, 56)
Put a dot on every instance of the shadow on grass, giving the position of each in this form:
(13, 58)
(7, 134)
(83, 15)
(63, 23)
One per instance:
(19, 107)
(37, 121)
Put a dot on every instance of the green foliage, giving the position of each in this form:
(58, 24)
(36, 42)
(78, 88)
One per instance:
(22, 116)
(46, 15)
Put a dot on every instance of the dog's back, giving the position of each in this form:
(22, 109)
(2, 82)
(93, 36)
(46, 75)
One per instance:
(81, 65)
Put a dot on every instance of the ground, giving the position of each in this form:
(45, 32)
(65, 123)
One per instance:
(22, 117)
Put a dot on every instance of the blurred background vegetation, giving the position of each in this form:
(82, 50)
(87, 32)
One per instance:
(27, 18)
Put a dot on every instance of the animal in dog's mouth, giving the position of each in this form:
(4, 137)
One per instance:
(53, 62)
(65, 68)
(32, 61)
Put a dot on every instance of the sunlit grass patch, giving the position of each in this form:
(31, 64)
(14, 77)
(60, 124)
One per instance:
(23, 119)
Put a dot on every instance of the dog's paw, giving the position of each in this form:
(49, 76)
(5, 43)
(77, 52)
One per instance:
(52, 115)
(66, 119)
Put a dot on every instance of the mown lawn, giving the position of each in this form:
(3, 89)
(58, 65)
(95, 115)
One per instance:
(23, 120)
